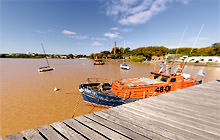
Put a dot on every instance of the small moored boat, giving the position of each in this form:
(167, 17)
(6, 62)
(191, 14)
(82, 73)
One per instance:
(124, 66)
(99, 94)
(98, 62)
(45, 68)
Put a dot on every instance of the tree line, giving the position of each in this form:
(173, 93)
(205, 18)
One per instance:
(137, 55)
(143, 53)
(37, 56)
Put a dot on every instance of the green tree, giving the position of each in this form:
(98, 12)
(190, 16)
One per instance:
(139, 58)
(70, 56)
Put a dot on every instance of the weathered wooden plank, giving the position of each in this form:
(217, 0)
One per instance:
(196, 95)
(211, 94)
(100, 128)
(213, 113)
(192, 101)
(31, 134)
(66, 131)
(180, 109)
(115, 127)
(49, 133)
(203, 90)
(201, 106)
(161, 120)
(175, 118)
(202, 109)
(15, 136)
(173, 113)
(212, 84)
(146, 123)
(133, 127)
(146, 119)
(213, 90)
(85, 131)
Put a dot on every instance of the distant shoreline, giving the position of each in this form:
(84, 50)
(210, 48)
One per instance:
(128, 60)
(158, 62)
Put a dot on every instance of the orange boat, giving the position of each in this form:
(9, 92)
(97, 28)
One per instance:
(156, 84)
(124, 91)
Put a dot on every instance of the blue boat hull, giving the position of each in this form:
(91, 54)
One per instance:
(95, 101)
(98, 98)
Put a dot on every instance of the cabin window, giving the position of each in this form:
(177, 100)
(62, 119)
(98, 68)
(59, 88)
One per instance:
(173, 80)
(164, 79)
(202, 59)
(210, 59)
(156, 76)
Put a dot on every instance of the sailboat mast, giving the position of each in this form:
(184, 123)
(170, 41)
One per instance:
(45, 55)
(192, 47)
(194, 43)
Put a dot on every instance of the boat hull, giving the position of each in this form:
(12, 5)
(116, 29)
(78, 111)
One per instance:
(100, 99)
(98, 63)
(124, 67)
(45, 69)
(91, 100)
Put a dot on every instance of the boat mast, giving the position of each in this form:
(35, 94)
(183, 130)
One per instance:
(197, 38)
(179, 44)
(180, 41)
(45, 55)
(180, 69)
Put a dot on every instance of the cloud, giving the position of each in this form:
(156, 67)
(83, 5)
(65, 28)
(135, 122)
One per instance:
(192, 39)
(121, 29)
(126, 30)
(80, 37)
(99, 38)
(68, 32)
(95, 43)
(111, 35)
(114, 28)
(203, 38)
(43, 31)
(136, 11)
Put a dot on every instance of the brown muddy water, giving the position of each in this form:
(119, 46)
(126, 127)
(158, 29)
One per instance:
(28, 100)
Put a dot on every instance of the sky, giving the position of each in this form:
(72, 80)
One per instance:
(91, 26)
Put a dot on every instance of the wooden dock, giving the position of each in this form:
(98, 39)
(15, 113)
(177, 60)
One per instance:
(191, 113)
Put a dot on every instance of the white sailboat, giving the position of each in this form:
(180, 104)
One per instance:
(45, 68)
(124, 65)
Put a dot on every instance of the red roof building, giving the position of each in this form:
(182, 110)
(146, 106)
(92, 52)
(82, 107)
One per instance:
(157, 58)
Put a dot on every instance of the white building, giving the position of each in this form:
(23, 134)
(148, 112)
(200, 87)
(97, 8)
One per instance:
(205, 59)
